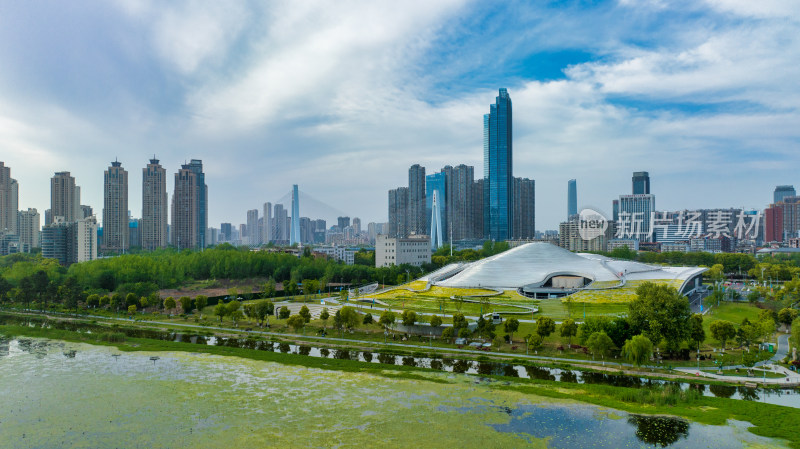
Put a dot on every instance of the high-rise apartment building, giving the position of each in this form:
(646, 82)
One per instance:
(226, 232)
(773, 224)
(342, 222)
(572, 198)
(65, 197)
(153, 230)
(417, 221)
(398, 212)
(280, 226)
(782, 192)
(70, 242)
(498, 189)
(28, 229)
(641, 183)
(189, 214)
(253, 234)
(356, 224)
(266, 229)
(116, 232)
(294, 234)
(524, 212)
(9, 200)
(460, 203)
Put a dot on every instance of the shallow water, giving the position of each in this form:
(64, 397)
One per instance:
(97, 397)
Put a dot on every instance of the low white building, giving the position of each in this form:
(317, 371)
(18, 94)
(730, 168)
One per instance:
(414, 250)
(343, 253)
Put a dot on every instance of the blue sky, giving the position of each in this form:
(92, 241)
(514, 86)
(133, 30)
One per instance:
(342, 97)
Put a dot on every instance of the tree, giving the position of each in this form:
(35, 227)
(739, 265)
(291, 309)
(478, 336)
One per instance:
(283, 313)
(795, 337)
(545, 326)
(659, 312)
(296, 322)
(459, 322)
(569, 329)
(236, 315)
(343, 295)
(368, 319)
(722, 331)
(600, 343)
(349, 317)
(324, 315)
(264, 308)
(131, 299)
(70, 292)
(220, 310)
(305, 313)
(268, 289)
(637, 350)
(436, 321)
(447, 334)
(696, 332)
(233, 307)
(786, 316)
(200, 302)
(116, 301)
(93, 300)
(169, 303)
(387, 318)
(409, 317)
(132, 309)
(186, 304)
(535, 342)
(5, 288)
(510, 326)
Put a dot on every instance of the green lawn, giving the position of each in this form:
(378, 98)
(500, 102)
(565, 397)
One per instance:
(734, 312)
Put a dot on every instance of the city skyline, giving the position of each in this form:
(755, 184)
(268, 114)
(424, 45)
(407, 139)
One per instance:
(705, 98)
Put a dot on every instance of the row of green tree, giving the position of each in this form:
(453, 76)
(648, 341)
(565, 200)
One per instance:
(145, 273)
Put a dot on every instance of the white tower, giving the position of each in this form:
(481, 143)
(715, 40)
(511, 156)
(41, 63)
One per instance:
(436, 222)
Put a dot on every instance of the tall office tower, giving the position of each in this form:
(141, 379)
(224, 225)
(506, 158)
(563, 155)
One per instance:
(243, 233)
(319, 231)
(226, 231)
(398, 212)
(498, 188)
(572, 199)
(782, 192)
(524, 208)
(28, 227)
(615, 210)
(436, 185)
(356, 224)
(266, 230)
(253, 234)
(417, 219)
(641, 183)
(478, 226)
(342, 222)
(460, 202)
(196, 166)
(634, 216)
(790, 207)
(294, 235)
(9, 200)
(187, 200)
(134, 232)
(280, 230)
(153, 231)
(63, 192)
(116, 226)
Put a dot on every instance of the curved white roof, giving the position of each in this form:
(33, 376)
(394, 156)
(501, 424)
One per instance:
(531, 264)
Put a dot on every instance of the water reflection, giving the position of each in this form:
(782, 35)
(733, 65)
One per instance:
(786, 397)
(659, 430)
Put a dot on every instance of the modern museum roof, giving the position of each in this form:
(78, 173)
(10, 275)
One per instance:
(532, 265)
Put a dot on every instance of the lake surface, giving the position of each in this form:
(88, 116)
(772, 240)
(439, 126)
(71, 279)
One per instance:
(55, 394)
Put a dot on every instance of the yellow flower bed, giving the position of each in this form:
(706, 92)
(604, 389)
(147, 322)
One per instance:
(615, 295)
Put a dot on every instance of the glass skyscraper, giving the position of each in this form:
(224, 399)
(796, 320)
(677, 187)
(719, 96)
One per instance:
(572, 198)
(498, 184)
(641, 183)
(436, 182)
